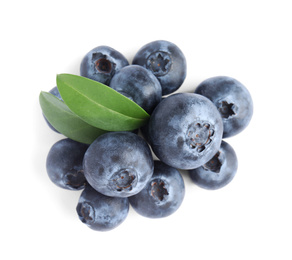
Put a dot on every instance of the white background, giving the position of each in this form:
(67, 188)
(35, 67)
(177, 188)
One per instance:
(249, 40)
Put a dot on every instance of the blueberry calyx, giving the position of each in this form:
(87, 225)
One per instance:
(75, 178)
(86, 212)
(226, 109)
(123, 180)
(159, 63)
(199, 136)
(102, 63)
(214, 164)
(159, 190)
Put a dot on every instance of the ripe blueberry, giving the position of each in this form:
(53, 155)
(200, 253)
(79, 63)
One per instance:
(101, 64)
(166, 61)
(217, 172)
(64, 164)
(139, 85)
(162, 195)
(100, 212)
(118, 164)
(232, 100)
(185, 130)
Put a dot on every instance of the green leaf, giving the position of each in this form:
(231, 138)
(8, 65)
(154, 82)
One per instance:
(100, 105)
(66, 122)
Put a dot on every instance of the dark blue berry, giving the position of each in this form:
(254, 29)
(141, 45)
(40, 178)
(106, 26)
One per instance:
(217, 172)
(185, 130)
(64, 164)
(101, 64)
(232, 100)
(100, 212)
(139, 85)
(56, 93)
(118, 164)
(166, 61)
(163, 194)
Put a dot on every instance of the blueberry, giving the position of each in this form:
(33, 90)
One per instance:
(57, 94)
(101, 64)
(162, 195)
(118, 164)
(217, 172)
(185, 130)
(166, 61)
(139, 85)
(100, 212)
(232, 100)
(64, 164)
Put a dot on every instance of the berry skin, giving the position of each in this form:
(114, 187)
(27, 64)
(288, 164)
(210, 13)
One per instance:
(163, 194)
(118, 164)
(232, 100)
(166, 61)
(139, 85)
(101, 64)
(64, 164)
(56, 93)
(185, 130)
(99, 212)
(217, 172)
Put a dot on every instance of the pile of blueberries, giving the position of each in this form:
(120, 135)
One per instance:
(185, 132)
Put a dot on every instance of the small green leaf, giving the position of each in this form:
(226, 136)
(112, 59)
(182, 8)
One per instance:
(66, 122)
(100, 105)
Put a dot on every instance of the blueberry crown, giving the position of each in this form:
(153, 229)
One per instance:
(199, 135)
